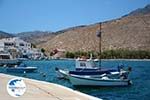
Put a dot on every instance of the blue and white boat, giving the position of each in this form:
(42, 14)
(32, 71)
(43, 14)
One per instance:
(22, 68)
(88, 68)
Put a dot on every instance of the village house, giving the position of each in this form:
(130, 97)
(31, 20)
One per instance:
(18, 48)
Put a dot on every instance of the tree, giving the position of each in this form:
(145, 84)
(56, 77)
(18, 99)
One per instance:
(69, 55)
(43, 50)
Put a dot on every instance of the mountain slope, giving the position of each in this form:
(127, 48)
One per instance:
(141, 11)
(5, 35)
(129, 32)
(36, 37)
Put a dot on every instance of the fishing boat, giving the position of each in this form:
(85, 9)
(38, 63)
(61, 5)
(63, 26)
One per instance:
(78, 80)
(88, 67)
(22, 68)
(63, 73)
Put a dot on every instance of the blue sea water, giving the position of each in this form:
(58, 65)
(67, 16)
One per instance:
(140, 75)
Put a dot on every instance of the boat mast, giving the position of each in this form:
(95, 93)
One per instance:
(99, 35)
(100, 28)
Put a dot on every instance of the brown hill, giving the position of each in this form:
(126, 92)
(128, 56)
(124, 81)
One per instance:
(129, 32)
(36, 37)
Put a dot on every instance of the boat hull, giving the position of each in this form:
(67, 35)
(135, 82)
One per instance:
(21, 70)
(87, 69)
(85, 81)
(95, 73)
(62, 74)
(91, 72)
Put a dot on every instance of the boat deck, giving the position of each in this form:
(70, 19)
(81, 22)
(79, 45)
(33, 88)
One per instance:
(41, 90)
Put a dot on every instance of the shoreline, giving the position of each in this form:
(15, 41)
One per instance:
(101, 59)
(51, 90)
(129, 59)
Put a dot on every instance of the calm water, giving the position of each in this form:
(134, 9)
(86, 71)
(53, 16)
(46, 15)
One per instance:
(140, 90)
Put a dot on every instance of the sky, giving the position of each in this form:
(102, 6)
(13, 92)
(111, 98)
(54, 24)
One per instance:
(54, 15)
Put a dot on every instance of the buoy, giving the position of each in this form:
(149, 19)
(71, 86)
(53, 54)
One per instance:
(44, 75)
(129, 68)
(56, 69)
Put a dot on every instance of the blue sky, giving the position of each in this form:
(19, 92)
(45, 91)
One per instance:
(53, 15)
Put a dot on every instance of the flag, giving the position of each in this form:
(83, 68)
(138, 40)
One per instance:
(98, 33)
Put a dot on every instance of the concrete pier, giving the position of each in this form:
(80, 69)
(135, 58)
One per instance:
(40, 90)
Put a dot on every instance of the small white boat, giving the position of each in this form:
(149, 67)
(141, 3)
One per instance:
(77, 80)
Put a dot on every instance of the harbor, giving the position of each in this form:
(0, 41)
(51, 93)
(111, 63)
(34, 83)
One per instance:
(75, 50)
(140, 78)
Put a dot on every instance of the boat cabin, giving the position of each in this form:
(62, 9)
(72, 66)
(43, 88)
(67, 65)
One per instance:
(85, 64)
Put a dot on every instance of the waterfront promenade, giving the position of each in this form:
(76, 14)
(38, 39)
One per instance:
(40, 90)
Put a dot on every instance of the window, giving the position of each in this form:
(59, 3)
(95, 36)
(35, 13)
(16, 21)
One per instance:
(82, 64)
(21, 44)
(4, 57)
(8, 44)
(25, 51)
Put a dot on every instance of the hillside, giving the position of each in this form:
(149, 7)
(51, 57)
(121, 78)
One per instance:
(130, 32)
(5, 35)
(36, 37)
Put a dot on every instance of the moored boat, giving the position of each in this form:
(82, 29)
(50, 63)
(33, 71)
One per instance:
(61, 73)
(78, 80)
(88, 67)
(21, 69)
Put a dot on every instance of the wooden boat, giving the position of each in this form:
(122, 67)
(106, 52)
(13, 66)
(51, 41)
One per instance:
(81, 66)
(94, 73)
(86, 67)
(78, 80)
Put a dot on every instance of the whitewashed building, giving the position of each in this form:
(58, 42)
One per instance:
(36, 54)
(18, 45)
(23, 46)
(15, 43)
